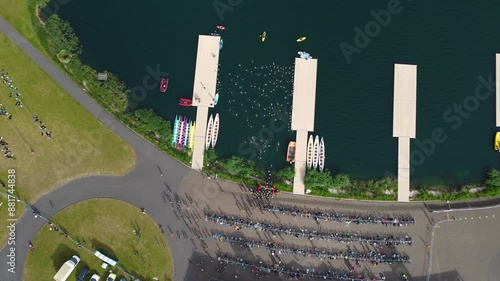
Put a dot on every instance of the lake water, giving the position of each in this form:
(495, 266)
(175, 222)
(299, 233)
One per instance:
(453, 44)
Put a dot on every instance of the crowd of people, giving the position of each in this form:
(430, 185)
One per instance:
(16, 95)
(6, 80)
(335, 216)
(342, 237)
(5, 149)
(43, 128)
(374, 257)
(264, 191)
(294, 273)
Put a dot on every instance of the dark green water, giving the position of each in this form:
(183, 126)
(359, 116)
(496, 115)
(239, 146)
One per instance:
(452, 43)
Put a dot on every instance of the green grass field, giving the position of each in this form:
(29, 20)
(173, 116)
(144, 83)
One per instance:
(16, 13)
(105, 225)
(80, 144)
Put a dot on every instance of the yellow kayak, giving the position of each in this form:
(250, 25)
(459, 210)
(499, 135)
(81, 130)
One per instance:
(301, 39)
(263, 36)
(497, 141)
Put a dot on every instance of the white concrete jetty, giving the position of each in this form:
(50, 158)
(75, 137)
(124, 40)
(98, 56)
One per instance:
(204, 90)
(497, 83)
(303, 108)
(404, 122)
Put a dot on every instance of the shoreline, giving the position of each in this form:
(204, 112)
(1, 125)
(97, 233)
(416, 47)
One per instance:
(130, 119)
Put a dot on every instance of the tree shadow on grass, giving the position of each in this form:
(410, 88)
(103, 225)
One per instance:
(62, 254)
(104, 249)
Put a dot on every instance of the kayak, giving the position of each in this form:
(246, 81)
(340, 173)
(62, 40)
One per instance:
(185, 102)
(263, 36)
(221, 43)
(301, 39)
(497, 142)
(216, 99)
(163, 84)
(221, 27)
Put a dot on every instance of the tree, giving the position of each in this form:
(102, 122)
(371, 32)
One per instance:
(341, 181)
(153, 125)
(286, 174)
(62, 36)
(315, 179)
(239, 166)
(493, 179)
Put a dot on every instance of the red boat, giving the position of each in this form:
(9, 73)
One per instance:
(185, 102)
(163, 84)
(221, 27)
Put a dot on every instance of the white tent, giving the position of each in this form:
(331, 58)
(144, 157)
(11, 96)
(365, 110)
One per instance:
(104, 258)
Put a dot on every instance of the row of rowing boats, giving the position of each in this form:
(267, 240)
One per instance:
(212, 131)
(316, 153)
(183, 133)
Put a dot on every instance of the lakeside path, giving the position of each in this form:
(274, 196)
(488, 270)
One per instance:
(145, 187)
(142, 187)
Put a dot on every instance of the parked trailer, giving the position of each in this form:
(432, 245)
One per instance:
(66, 269)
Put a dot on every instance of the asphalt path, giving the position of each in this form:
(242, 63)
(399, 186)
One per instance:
(142, 187)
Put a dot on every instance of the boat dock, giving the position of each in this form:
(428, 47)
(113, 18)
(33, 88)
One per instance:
(404, 122)
(497, 71)
(303, 108)
(204, 90)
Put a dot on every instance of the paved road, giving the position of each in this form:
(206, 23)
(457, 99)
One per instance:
(142, 187)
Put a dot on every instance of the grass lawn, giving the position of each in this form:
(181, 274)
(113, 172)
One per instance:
(105, 225)
(80, 144)
(16, 13)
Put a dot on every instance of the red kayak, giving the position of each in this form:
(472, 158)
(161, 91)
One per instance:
(163, 84)
(185, 102)
(221, 27)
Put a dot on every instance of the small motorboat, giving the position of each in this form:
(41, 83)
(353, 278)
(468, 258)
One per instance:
(497, 142)
(185, 102)
(263, 36)
(221, 43)
(216, 99)
(304, 55)
(163, 84)
(300, 39)
(290, 154)
(221, 27)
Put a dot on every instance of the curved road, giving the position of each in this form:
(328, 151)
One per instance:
(142, 187)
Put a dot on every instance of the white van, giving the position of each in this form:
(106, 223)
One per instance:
(66, 269)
